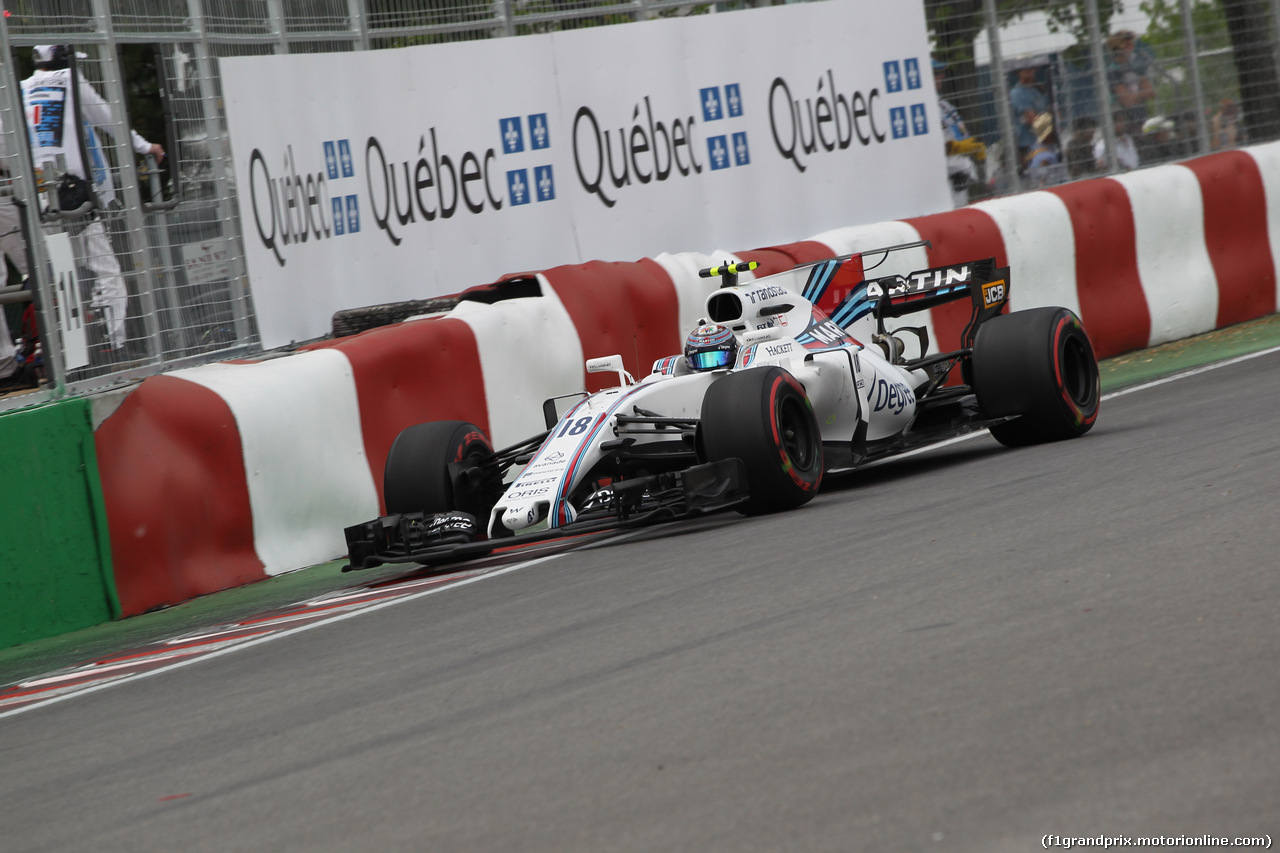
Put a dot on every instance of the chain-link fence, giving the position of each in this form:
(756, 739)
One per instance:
(1037, 92)
(1059, 90)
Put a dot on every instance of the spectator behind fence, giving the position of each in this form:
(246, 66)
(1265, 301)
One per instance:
(962, 149)
(13, 245)
(1159, 142)
(16, 372)
(19, 366)
(1028, 101)
(1224, 127)
(1126, 149)
(8, 358)
(51, 108)
(1044, 162)
(1079, 152)
(1128, 77)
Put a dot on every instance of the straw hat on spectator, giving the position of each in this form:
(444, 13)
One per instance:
(1042, 126)
(1120, 38)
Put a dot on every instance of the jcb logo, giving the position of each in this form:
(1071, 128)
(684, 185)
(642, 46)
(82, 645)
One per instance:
(993, 294)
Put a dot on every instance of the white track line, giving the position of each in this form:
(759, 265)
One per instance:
(1195, 371)
(279, 635)
(518, 566)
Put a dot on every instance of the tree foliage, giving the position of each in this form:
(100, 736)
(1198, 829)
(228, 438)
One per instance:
(954, 24)
(1235, 42)
(1167, 38)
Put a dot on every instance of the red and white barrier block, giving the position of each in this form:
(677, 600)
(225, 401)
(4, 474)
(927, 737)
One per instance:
(225, 474)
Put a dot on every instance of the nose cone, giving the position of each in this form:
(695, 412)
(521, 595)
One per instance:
(519, 517)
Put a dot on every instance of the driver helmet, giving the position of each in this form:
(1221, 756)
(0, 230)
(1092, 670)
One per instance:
(711, 347)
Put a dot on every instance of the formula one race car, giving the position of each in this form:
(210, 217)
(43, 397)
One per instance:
(769, 394)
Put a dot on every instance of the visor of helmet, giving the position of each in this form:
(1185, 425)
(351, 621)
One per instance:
(711, 359)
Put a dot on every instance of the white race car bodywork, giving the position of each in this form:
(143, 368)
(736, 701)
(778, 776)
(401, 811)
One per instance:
(808, 394)
(853, 388)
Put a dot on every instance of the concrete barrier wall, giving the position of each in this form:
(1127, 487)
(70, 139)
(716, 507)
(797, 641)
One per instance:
(224, 474)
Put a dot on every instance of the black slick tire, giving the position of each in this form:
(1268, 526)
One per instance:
(1038, 367)
(763, 417)
(417, 476)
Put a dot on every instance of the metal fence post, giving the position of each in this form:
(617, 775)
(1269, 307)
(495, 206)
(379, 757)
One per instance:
(508, 20)
(1010, 144)
(275, 20)
(1197, 87)
(219, 157)
(115, 94)
(1101, 91)
(1275, 24)
(358, 20)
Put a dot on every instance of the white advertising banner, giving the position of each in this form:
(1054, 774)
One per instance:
(382, 176)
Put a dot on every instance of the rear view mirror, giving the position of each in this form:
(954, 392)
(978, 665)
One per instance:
(607, 363)
(555, 408)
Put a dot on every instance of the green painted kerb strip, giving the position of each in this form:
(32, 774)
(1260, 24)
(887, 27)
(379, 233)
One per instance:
(55, 553)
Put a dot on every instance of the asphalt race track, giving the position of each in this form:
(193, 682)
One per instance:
(969, 649)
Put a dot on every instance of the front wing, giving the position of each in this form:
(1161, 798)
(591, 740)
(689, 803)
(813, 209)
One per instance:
(429, 538)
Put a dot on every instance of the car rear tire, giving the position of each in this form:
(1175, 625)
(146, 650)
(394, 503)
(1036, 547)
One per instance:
(763, 417)
(417, 476)
(1037, 367)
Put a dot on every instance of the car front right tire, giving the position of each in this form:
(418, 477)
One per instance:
(763, 417)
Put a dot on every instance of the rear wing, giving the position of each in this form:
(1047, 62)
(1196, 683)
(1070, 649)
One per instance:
(893, 296)
(897, 295)
(983, 282)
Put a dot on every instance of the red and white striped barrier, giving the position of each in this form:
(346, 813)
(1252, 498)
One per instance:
(224, 474)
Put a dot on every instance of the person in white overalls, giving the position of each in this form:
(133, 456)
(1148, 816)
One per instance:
(51, 108)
